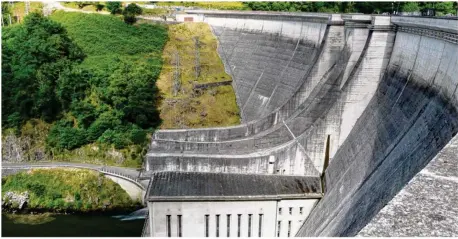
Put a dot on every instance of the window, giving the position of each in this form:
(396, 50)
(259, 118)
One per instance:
(301, 210)
(290, 211)
(249, 224)
(279, 211)
(169, 231)
(260, 225)
(217, 225)
(207, 217)
(239, 223)
(289, 228)
(278, 228)
(228, 225)
(179, 226)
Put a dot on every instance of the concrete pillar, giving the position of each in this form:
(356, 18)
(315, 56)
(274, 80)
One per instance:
(271, 164)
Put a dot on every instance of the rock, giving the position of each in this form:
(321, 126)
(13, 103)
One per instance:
(15, 200)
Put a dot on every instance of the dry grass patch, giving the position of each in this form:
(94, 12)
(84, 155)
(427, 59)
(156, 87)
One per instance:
(190, 109)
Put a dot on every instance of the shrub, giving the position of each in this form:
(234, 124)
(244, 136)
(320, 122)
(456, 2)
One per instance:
(99, 6)
(114, 7)
(130, 13)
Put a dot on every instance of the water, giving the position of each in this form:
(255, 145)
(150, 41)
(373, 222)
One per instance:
(73, 226)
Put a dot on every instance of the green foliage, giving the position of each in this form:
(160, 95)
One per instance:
(130, 12)
(111, 102)
(410, 7)
(66, 189)
(99, 7)
(114, 7)
(34, 55)
(64, 136)
(367, 7)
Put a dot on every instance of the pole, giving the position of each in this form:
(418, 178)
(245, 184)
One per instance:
(27, 7)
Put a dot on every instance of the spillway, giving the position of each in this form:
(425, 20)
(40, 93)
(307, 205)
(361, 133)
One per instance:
(380, 91)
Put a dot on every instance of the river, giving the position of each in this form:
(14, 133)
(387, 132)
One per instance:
(69, 226)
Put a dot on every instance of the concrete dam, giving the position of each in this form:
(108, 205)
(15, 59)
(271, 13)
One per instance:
(367, 103)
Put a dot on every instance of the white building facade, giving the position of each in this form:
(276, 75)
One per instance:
(220, 211)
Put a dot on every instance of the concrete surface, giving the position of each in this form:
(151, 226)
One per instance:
(384, 89)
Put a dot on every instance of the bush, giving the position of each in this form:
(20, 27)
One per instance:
(99, 7)
(63, 136)
(114, 7)
(130, 13)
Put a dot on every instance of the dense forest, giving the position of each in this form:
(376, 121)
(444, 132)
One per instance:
(368, 7)
(91, 78)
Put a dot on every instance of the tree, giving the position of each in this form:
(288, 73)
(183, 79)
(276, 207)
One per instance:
(410, 7)
(114, 7)
(130, 13)
(133, 91)
(99, 6)
(444, 8)
(35, 54)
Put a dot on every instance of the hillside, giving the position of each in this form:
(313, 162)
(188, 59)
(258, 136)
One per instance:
(87, 87)
(188, 107)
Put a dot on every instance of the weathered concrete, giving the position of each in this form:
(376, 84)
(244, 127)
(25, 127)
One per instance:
(423, 207)
(384, 91)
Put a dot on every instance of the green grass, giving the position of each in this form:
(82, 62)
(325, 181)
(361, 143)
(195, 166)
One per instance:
(68, 189)
(106, 38)
(214, 107)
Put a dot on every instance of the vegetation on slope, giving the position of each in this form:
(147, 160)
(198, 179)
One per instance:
(368, 7)
(189, 108)
(67, 190)
(108, 99)
(16, 10)
(208, 5)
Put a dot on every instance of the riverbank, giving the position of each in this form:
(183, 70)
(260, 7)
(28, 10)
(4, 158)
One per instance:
(64, 191)
(75, 225)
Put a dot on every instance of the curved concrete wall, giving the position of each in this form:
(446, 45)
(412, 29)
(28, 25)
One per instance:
(385, 94)
(407, 122)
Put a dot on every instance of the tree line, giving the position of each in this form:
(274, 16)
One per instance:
(368, 7)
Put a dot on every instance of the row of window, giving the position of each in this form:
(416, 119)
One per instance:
(169, 226)
(301, 210)
(228, 224)
(289, 227)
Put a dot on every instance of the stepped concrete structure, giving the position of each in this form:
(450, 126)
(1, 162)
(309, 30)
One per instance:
(364, 102)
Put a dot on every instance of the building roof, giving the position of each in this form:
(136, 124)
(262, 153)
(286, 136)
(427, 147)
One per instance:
(227, 186)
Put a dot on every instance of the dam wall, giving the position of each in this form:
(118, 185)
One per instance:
(382, 90)
(267, 56)
(408, 121)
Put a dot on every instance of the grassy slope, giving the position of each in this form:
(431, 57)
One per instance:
(67, 189)
(104, 38)
(216, 106)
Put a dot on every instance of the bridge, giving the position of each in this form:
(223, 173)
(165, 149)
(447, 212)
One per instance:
(127, 178)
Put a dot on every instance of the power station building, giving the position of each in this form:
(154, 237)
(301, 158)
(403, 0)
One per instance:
(194, 204)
